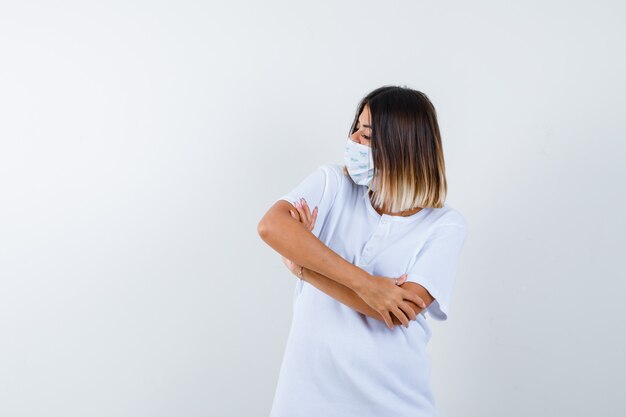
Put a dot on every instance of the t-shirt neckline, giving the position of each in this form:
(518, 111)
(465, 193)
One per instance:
(389, 217)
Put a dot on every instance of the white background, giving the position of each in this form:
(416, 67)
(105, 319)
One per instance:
(141, 143)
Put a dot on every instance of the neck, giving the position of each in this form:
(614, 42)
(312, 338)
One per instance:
(404, 213)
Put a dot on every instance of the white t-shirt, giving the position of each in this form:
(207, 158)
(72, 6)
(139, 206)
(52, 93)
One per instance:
(339, 362)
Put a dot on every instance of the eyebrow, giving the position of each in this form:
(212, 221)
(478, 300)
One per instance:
(367, 126)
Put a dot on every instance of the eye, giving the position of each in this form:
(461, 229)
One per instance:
(364, 136)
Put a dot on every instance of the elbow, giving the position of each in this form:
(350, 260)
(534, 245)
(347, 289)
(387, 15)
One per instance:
(273, 220)
(262, 229)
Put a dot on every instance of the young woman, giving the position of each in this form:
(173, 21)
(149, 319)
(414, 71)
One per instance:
(380, 248)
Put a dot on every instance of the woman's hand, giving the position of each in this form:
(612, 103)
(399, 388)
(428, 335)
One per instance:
(386, 297)
(307, 218)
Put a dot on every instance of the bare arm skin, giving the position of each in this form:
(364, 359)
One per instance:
(293, 240)
(351, 299)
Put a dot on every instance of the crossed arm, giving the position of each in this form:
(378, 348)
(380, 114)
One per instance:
(333, 275)
(350, 298)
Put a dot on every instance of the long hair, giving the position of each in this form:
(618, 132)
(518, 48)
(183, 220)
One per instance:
(409, 168)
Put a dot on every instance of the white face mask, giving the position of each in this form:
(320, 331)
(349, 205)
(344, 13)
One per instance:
(359, 162)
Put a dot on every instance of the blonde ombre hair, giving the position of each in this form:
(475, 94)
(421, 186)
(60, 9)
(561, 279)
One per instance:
(409, 168)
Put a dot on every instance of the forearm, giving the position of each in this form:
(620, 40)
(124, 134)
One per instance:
(346, 295)
(292, 240)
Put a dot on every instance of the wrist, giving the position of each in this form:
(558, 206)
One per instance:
(360, 280)
(300, 273)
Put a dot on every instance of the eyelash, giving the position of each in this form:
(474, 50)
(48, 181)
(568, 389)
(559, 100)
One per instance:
(365, 136)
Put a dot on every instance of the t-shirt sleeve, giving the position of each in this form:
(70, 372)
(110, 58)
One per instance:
(436, 266)
(319, 188)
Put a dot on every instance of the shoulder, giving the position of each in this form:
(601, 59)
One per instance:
(334, 172)
(448, 216)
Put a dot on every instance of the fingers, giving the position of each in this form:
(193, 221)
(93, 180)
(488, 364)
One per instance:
(303, 208)
(307, 217)
(298, 206)
(300, 213)
(307, 211)
(387, 319)
(411, 296)
(408, 310)
(401, 316)
(294, 215)
(313, 218)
